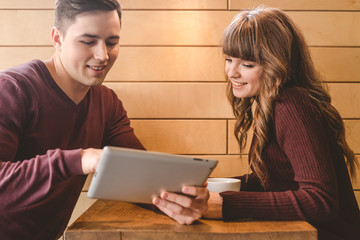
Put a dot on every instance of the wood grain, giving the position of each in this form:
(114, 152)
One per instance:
(174, 4)
(169, 64)
(346, 98)
(24, 4)
(182, 137)
(173, 100)
(190, 28)
(134, 222)
(297, 5)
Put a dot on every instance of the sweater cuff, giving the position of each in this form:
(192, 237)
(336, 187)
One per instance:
(72, 159)
(230, 205)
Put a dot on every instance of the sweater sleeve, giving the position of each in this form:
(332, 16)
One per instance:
(120, 133)
(301, 135)
(250, 182)
(24, 182)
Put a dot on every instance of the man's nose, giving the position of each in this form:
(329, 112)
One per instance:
(100, 52)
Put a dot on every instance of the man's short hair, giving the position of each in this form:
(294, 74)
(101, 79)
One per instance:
(67, 10)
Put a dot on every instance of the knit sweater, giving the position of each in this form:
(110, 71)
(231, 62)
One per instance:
(308, 178)
(42, 132)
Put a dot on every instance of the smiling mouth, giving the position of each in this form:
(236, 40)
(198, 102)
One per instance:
(97, 68)
(238, 84)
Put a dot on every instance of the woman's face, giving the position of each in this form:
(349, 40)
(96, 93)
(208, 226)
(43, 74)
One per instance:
(245, 77)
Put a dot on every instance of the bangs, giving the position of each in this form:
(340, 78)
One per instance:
(239, 40)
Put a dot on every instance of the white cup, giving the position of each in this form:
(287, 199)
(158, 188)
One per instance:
(223, 184)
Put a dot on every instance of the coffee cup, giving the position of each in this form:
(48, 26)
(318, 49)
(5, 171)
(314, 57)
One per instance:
(223, 184)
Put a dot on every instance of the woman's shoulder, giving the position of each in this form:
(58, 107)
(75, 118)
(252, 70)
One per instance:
(295, 101)
(293, 95)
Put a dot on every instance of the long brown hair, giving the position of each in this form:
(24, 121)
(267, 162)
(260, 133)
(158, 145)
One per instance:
(269, 37)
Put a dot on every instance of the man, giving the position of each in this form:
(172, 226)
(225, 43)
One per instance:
(57, 116)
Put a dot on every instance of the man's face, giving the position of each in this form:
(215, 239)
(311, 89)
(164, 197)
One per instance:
(90, 47)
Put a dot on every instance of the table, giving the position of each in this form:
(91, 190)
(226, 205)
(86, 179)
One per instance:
(110, 220)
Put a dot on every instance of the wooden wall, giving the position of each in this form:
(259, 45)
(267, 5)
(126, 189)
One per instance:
(170, 71)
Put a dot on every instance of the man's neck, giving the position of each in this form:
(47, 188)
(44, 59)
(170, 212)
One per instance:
(74, 90)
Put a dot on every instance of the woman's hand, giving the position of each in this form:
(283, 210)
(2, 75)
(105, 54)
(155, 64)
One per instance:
(183, 209)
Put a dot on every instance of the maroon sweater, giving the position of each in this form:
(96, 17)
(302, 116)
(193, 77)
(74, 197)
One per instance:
(40, 123)
(308, 177)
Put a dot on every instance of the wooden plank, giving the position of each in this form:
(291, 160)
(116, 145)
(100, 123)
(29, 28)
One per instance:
(352, 133)
(174, 4)
(207, 100)
(137, 222)
(182, 136)
(182, 63)
(25, 4)
(168, 64)
(26, 27)
(297, 5)
(202, 28)
(173, 100)
(11, 56)
(346, 98)
(206, 28)
(174, 27)
(337, 64)
(329, 28)
(126, 4)
(229, 165)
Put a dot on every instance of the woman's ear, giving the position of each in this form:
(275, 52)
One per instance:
(56, 37)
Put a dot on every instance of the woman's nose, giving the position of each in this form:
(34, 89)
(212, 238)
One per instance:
(233, 72)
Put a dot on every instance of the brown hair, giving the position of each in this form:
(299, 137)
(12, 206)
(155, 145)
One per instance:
(269, 37)
(67, 10)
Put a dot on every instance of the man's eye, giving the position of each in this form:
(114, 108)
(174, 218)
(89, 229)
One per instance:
(112, 44)
(87, 42)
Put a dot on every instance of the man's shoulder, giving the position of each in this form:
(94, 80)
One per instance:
(104, 94)
(24, 71)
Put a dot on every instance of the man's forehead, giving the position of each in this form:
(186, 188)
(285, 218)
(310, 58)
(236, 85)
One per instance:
(93, 23)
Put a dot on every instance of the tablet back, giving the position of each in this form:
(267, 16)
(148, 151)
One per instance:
(137, 176)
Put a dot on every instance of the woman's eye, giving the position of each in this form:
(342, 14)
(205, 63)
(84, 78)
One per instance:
(248, 65)
(228, 60)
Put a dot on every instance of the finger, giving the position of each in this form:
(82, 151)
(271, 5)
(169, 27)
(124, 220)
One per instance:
(178, 213)
(198, 205)
(198, 192)
(176, 198)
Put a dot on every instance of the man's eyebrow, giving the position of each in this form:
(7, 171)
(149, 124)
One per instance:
(96, 36)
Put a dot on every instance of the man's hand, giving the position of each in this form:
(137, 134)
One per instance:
(183, 209)
(90, 159)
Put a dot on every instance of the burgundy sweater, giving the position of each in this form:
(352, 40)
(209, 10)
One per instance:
(308, 177)
(38, 122)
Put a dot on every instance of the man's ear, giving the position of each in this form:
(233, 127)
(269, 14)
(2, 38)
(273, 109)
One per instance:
(56, 37)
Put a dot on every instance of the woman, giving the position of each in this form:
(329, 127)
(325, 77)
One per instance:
(299, 156)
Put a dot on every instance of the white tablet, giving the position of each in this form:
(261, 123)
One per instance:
(137, 176)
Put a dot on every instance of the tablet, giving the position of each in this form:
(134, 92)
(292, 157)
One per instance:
(137, 175)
